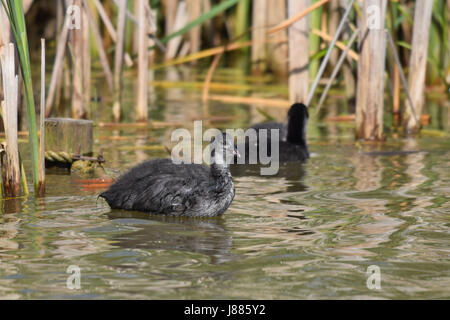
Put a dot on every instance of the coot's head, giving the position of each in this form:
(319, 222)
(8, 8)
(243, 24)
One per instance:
(297, 121)
(223, 149)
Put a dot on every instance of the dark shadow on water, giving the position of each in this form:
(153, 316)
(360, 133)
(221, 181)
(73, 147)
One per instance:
(205, 236)
(293, 172)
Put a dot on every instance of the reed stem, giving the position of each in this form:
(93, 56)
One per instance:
(15, 12)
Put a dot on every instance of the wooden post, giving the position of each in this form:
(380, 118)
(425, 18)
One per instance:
(259, 37)
(118, 60)
(298, 52)
(65, 134)
(371, 66)
(278, 52)
(143, 60)
(10, 165)
(418, 63)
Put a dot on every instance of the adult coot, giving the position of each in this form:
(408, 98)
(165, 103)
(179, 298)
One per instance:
(297, 117)
(292, 135)
(162, 187)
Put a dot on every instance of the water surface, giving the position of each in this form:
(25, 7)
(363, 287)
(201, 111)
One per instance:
(310, 232)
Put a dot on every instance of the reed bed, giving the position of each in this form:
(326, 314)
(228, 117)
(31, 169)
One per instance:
(310, 46)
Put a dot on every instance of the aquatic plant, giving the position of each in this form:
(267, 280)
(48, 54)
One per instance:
(15, 13)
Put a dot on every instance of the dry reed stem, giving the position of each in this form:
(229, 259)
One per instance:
(110, 28)
(118, 59)
(101, 51)
(336, 70)
(11, 166)
(180, 21)
(288, 22)
(259, 36)
(41, 184)
(418, 64)
(138, 125)
(57, 66)
(79, 110)
(143, 61)
(275, 103)
(298, 36)
(330, 50)
(351, 53)
(209, 76)
(212, 52)
(402, 75)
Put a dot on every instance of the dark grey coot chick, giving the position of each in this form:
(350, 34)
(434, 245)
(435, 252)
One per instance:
(292, 135)
(162, 187)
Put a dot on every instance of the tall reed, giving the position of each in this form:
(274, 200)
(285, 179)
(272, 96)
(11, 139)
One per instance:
(15, 13)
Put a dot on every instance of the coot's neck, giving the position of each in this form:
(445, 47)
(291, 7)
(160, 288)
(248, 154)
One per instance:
(296, 130)
(220, 169)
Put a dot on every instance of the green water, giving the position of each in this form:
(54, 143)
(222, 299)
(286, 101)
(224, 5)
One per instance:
(310, 232)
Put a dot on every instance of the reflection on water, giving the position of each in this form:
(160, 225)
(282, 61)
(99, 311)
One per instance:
(292, 173)
(311, 231)
(208, 237)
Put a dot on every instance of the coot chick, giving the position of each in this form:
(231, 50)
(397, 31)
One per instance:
(162, 187)
(292, 136)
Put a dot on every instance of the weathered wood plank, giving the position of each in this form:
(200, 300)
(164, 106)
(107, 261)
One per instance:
(65, 134)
